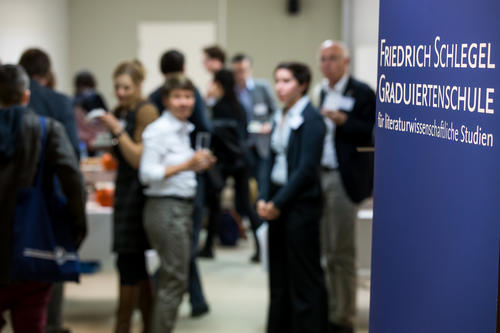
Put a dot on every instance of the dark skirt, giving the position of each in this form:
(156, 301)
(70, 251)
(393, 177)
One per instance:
(128, 231)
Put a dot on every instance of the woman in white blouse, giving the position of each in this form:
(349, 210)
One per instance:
(167, 169)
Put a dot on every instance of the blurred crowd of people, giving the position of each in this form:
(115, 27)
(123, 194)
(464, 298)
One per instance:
(297, 169)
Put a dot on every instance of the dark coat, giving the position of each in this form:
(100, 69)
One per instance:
(305, 148)
(18, 170)
(356, 168)
(49, 103)
(229, 134)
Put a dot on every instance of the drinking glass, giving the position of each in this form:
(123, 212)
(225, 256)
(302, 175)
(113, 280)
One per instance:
(202, 141)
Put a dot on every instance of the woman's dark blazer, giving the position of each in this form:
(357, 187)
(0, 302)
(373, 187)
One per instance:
(305, 147)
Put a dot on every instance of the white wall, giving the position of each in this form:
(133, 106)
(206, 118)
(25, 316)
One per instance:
(36, 23)
(361, 23)
(97, 34)
(188, 37)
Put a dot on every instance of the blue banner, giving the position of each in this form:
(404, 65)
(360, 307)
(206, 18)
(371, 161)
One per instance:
(436, 222)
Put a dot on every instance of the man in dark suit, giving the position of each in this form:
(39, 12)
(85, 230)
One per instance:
(348, 108)
(172, 63)
(47, 102)
(255, 96)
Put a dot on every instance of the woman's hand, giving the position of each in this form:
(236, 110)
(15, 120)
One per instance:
(266, 128)
(261, 208)
(111, 123)
(272, 212)
(267, 210)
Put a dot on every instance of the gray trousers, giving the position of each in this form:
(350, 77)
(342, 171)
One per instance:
(338, 249)
(168, 225)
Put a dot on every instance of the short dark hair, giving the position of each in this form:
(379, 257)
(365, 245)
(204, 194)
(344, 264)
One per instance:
(35, 62)
(215, 52)
(174, 82)
(13, 83)
(172, 61)
(84, 79)
(300, 72)
(238, 57)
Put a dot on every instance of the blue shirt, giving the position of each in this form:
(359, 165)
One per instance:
(245, 97)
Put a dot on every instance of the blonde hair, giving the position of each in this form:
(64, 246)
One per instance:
(133, 68)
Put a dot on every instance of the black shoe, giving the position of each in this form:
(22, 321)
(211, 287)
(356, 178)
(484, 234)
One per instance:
(255, 258)
(200, 311)
(334, 328)
(57, 330)
(206, 253)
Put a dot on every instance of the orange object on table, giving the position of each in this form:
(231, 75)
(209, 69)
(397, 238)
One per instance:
(108, 162)
(104, 197)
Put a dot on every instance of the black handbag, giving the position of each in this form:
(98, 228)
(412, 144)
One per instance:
(43, 245)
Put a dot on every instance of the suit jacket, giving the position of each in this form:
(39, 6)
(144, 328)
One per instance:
(305, 147)
(261, 96)
(49, 103)
(356, 168)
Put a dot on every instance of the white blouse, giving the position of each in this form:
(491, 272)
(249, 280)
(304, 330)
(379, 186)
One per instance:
(280, 137)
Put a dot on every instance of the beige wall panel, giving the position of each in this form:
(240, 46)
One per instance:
(103, 32)
(187, 37)
(265, 30)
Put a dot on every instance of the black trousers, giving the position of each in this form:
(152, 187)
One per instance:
(297, 288)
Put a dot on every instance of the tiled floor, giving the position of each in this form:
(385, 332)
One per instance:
(236, 290)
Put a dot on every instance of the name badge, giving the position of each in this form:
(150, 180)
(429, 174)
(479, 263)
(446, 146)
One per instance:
(254, 127)
(295, 122)
(260, 109)
(331, 102)
(346, 103)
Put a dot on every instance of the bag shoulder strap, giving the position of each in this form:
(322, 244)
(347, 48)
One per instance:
(41, 160)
